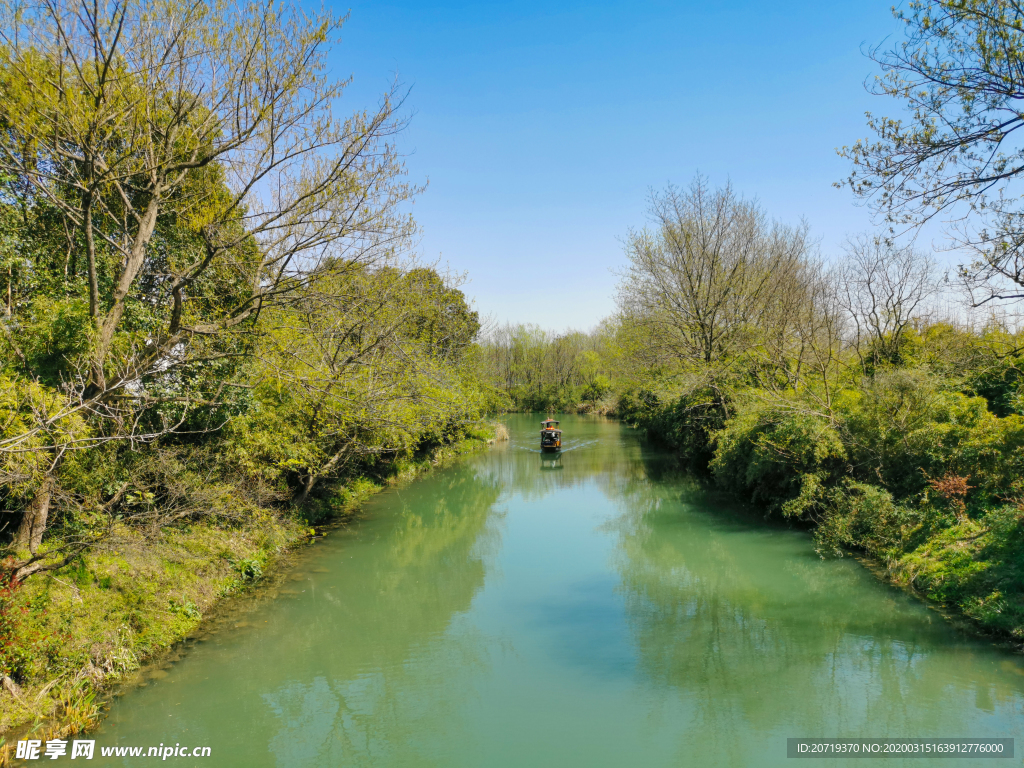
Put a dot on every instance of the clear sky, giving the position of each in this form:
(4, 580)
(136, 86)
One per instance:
(542, 126)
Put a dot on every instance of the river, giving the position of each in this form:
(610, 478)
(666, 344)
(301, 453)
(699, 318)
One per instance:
(595, 609)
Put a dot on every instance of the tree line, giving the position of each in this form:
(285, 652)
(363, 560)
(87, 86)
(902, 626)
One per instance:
(537, 370)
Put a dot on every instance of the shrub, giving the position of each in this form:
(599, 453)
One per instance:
(187, 609)
(865, 516)
(903, 428)
(779, 456)
(249, 569)
(597, 389)
(684, 421)
(15, 656)
(24, 648)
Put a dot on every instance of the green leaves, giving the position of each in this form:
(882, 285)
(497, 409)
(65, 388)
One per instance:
(780, 456)
(364, 367)
(958, 76)
(249, 569)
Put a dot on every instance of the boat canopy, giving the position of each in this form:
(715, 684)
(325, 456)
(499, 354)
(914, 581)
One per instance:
(548, 423)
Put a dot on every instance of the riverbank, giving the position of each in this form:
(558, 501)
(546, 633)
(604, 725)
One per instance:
(88, 626)
(908, 468)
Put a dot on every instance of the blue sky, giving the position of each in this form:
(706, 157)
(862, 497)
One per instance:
(541, 127)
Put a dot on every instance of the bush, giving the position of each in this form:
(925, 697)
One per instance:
(685, 421)
(780, 457)
(862, 516)
(596, 390)
(187, 609)
(15, 656)
(249, 569)
(903, 428)
(975, 566)
(25, 649)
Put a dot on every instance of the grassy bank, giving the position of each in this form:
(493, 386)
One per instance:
(84, 628)
(919, 470)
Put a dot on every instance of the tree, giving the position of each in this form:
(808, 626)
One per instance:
(884, 289)
(958, 153)
(708, 282)
(540, 370)
(811, 341)
(360, 366)
(189, 158)
(442, 320)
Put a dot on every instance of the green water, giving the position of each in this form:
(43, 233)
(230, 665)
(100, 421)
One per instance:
(592, 610)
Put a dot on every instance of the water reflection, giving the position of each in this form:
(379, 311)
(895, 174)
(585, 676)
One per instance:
(333, 670)
(740, 618)
(551, 462)
(389, 636)
(595, 450)
(592, 608)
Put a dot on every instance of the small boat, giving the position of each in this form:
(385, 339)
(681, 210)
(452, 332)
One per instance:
(550, 436)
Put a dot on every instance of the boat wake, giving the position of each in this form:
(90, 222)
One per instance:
(576, 447)
(565, 449)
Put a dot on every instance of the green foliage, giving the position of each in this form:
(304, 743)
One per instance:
(249, 569)
(443, 323)
(861, 515)
(597, 389)
(904, 427)
(915, 457)
(339, 500)
(686, 421)
(54, 333)
(892, 352)
(369, 368)
(977, 566)
(779, 456)
(15, 654)
(189, 609)
(25, 462)
(26, 648)
(192, 370)
(540, 371)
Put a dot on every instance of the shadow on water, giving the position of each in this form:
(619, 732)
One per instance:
(741, 617)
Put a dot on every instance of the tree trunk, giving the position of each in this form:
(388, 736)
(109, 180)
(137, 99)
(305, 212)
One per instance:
(133, 264)
(307, 487)
(311, 480)
(33, 521)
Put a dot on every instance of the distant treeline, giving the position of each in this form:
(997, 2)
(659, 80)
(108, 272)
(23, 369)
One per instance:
(542, 371)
